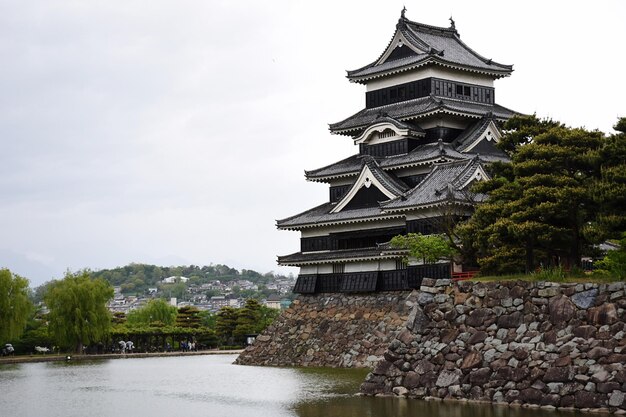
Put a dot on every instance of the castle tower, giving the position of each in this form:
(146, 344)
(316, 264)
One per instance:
(427, 131)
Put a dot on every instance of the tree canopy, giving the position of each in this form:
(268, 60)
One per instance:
(429, 249)
(543, 205)
(155, 311)
(78, 312)
(609, 192)
(15, 307)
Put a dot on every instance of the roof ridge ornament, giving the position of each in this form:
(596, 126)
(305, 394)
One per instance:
(452, 25)
(402, 21)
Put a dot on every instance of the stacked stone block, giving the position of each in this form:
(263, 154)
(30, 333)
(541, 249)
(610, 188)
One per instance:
(335, 330)
(521, 343)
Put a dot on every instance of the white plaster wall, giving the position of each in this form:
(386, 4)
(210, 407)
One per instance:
(430, 71)
(387, 265)
(308, 269)
(325, 269)
(361, 266)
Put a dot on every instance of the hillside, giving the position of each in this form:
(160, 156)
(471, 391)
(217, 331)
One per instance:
(138, 279)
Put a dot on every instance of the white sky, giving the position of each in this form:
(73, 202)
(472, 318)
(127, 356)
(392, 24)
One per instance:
(177, 132)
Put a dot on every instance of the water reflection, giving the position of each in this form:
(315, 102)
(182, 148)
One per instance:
(399, 407)
(206, 386)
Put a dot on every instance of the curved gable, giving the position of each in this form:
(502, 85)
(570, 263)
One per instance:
(382, 190)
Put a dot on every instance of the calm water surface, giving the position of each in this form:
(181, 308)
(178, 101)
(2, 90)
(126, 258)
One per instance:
(205, 386)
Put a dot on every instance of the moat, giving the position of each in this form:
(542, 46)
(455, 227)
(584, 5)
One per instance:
(207, 386)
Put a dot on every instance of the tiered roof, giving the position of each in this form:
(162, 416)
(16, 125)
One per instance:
(418, 108)
(422, 155)
(445, 184)
(348, 255)
(414, 45)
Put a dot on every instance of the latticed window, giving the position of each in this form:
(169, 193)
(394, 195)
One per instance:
(339, 268)
(387, 133)
(400, 264)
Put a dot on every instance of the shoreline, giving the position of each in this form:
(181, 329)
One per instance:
(75, 357)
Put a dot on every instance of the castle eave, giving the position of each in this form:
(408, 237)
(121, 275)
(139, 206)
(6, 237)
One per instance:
(364, 79)
(341, 256)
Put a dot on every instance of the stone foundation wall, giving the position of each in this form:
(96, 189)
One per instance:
(335, 330)
(511, 342)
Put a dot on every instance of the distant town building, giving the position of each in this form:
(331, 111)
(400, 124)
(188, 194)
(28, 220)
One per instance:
(174, 279)
(273, 301)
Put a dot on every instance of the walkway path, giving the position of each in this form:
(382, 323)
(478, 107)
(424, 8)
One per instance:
(53, 358)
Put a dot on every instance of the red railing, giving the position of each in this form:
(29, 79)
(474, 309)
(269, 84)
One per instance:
(462, 276)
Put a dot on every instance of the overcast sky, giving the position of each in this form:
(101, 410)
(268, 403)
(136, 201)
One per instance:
(177, 132)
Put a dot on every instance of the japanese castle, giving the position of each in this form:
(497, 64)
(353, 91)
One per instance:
(427, 131)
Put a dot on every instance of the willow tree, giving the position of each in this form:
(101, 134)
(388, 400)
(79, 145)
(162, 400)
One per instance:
(15, 306)
(78, 311)
(155, 311)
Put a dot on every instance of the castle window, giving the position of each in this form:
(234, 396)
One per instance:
(339, 268)
(387, 133)
(467, 91)
(400, 264)
(459, 90)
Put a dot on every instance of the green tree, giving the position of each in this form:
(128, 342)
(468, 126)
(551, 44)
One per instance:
(35, 334)
(248, 320)
(615, 261)
(78, 312)
(540, 203)
(155, 311)
(208, 319)
(189, 317)
(178, 290)
(226, 323)
(15, 306)
(429, 249)
(609, 191)
(268, 315)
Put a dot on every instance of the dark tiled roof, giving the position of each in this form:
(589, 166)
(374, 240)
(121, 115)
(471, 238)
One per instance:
(488, 152)
(411, 109)
(441, 46)
(443, 184)
(300, 258)
(388, 181)
(472, 133)
(486, 149)
(321, 214)
(427, 153)
(383, 117)
(350, 165)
